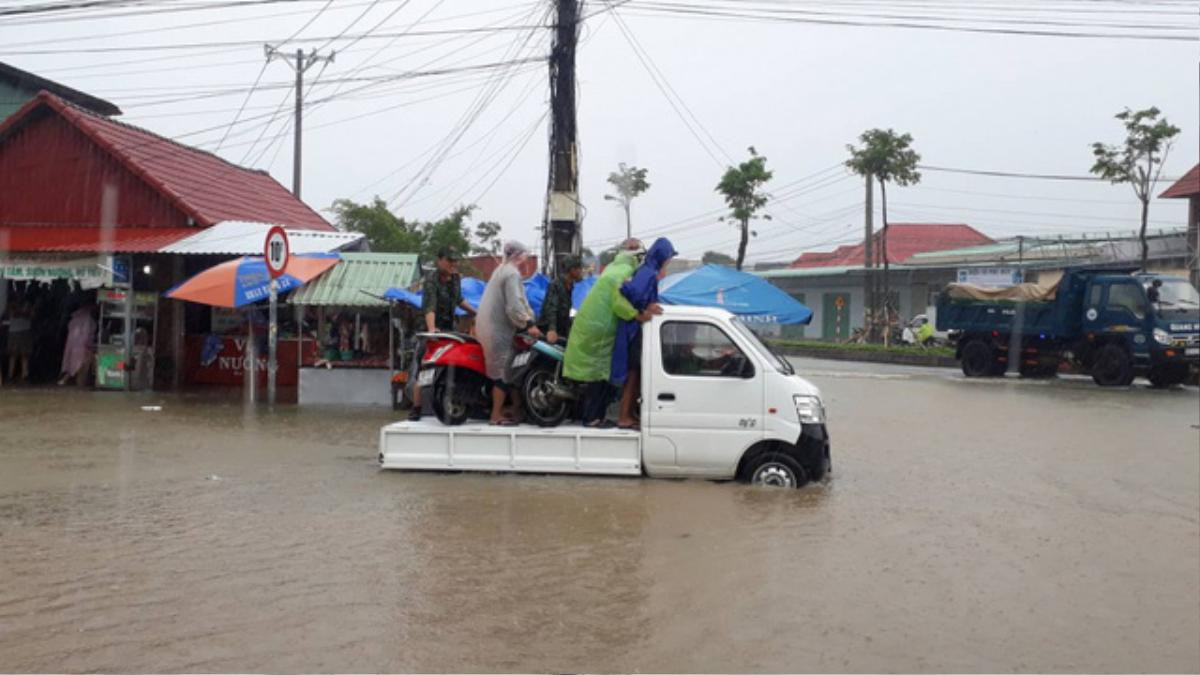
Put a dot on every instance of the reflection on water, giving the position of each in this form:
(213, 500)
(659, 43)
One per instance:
(211, 537)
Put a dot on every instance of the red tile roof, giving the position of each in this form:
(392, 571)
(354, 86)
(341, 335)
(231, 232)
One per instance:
(1188, 186)
(57, 239)
(904, 241)
(201, 184)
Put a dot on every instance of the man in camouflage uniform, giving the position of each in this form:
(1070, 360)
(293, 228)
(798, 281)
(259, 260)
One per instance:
(441, 294)
(555, 319)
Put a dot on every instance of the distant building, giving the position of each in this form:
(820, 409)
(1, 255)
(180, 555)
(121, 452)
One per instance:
(1188, 188)
(18, 87)
(831, 283)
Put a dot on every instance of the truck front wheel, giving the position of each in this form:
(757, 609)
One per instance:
(776, 469)
(978, 359)
(1112, 367)
(1168, 375)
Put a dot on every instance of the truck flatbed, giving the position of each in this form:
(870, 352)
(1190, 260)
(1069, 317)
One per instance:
(479, 446)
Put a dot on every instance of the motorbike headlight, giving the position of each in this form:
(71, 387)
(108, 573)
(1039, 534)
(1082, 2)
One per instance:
(809, 409)
(1162, 337)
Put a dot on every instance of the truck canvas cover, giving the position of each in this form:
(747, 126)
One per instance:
(1028, 292)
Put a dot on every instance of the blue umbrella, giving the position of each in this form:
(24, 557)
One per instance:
(751, 298)
(535, 291)
(472, 292)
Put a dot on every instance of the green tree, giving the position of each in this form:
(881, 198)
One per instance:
(384, 231)
(888, 158)
(450, 233)
(629, 181)
(717, 258)
(487, 234)
(742, 188)
(1139, 161)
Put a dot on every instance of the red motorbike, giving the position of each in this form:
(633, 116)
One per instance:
(453, 369)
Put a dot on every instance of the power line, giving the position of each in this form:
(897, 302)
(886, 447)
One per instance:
(1013, 174)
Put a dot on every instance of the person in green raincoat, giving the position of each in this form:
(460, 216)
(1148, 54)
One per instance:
(593, 333)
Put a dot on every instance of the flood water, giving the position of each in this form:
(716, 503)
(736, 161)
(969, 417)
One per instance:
(969, 526)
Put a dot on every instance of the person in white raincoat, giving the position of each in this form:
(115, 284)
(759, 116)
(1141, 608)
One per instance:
(503, 311)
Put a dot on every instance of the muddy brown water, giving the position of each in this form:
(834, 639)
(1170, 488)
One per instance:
(991, 526)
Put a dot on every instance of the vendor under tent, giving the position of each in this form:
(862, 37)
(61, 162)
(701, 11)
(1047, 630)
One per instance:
(352, 331)
(753, 299)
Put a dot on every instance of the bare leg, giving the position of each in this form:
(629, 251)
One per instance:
(497, 405)
(628, 396)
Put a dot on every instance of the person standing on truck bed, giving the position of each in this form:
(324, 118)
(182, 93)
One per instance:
(503, 311)
(441, 295)
(642, 293)
(589, 351)
(555, 320)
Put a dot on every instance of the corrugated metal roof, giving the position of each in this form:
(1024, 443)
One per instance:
(237, 237)
(1188, 186)
(360, 280)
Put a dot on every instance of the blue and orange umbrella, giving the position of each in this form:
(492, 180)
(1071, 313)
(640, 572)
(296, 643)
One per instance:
(245, 281)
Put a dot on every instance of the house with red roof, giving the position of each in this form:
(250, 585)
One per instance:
(84, 197)
(1188, 188)
(904, 241)
(832, 283)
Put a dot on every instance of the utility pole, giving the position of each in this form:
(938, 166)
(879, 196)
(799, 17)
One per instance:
(868, 263)
(299, 62)
(562, 231)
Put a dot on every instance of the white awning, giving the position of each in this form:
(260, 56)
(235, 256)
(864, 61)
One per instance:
(237, 237)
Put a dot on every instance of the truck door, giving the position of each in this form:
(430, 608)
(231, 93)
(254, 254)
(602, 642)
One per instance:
(704, 398)
(1124, 310)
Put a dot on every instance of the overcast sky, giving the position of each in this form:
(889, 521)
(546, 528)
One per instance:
(798, 92)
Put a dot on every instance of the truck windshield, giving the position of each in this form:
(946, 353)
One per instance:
(764, 349)
(1178, 294)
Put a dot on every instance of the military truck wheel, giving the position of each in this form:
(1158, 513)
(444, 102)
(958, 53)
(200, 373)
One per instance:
(978, 359)
(1112, 367)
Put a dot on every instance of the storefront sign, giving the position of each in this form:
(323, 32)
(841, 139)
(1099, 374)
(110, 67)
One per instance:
(91, 272)
(230, 362)
(992, 277)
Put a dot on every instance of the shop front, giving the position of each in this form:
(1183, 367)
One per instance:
(349, 342)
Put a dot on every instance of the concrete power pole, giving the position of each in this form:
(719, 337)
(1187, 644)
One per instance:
(869, 262)
(299, 62)
(562, 231)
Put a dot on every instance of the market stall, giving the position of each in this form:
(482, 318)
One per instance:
(349, 342)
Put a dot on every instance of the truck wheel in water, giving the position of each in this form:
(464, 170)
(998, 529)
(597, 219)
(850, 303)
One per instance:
(450, 403)
(1112, 367)
(776, 469)
(541, 404)
(1168, 375)
(978, 359)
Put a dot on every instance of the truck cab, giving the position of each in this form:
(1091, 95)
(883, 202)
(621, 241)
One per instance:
(717, 403)
(1154, 320)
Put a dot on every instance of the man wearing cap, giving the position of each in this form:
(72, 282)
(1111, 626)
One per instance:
(441, 294)
(555, 319)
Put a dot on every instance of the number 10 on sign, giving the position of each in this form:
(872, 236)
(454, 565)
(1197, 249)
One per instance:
(276, 252)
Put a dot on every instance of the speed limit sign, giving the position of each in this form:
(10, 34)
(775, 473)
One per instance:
(276, 251)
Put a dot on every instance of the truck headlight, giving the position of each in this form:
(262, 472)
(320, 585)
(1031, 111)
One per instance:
(809, 409)
(1162, 337)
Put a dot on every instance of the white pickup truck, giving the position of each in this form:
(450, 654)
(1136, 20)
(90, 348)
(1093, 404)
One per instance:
(717, 403)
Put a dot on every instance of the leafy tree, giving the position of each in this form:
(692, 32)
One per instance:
(384, 231)
(1139, 161)
(487, 234)
(629, 181)
(742, 188)
(451, 232)
(888, 158)
(717, 258)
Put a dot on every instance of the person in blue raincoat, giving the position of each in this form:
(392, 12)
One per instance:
(642, 293)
